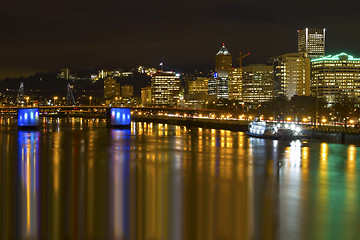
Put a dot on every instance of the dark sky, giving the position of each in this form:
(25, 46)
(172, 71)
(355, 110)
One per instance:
(82, 34)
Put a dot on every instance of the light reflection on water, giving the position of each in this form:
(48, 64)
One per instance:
(77, 179)
(29, 185)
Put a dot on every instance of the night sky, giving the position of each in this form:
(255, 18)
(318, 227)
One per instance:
(49, 35)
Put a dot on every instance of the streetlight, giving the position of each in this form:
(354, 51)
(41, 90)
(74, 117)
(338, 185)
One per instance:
(55, 98)
(90, 98)
(27, 100)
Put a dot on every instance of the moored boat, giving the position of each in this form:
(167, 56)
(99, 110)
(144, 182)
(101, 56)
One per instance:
(263, 129)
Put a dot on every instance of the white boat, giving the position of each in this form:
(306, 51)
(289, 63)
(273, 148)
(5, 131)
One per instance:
(263, 129)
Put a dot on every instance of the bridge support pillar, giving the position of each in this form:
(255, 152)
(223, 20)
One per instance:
(28, 118)
(119, 118)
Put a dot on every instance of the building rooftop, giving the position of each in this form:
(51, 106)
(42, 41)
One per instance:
(223, 50)
(338, 57)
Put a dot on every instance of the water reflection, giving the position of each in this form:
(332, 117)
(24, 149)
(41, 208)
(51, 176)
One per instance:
(119, 179)
(28, 157)
(76, 179)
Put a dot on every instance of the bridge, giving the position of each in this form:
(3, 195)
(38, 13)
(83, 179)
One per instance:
(175, 116)
(98, 111)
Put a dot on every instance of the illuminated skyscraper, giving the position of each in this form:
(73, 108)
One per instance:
(165, 88)
(223, 64)
(222, 84)
(312, 42)
(292, 75)
(257, 83)
(223, 59)
(212, 85)
(334, 76)
(235, 84)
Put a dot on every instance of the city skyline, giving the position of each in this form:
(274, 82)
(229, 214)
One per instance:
(42, 37)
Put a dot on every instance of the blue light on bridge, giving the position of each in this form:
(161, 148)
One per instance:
(120, 117)
(28, 117)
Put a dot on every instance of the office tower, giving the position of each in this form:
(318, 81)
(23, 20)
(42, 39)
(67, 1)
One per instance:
(223, 59)
(257, 83)
(222, 84)
(292, 75)
(223, 63)
(212, 85)
(312, 42)
(111, 88)
(165, 88)
(146, 96)
(235, 83)
(335, 76)
(127, 91)
(199, 85)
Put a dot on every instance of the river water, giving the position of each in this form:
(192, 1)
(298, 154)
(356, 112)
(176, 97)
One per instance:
(77, 179)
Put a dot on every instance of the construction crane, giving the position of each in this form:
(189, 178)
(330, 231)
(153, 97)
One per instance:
(241, 56)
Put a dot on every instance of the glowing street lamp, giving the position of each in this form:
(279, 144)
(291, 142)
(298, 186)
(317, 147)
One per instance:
(90, 98)
(55, 98)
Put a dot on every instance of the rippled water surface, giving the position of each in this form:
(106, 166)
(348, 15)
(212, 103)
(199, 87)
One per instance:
(77, 179)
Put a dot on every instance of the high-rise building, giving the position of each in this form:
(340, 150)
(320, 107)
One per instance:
(223, 59)
(312, 42)
(222, 84)
(223, 64)
(165, 88)
(212, 85)
(127, 91)
(257, 83)
(146, 96)
(200, 85)
(292, 75)
(111, 88)
(235, 84)
(334, 76)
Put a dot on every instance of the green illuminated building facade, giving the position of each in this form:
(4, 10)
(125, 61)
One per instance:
(334, 76)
